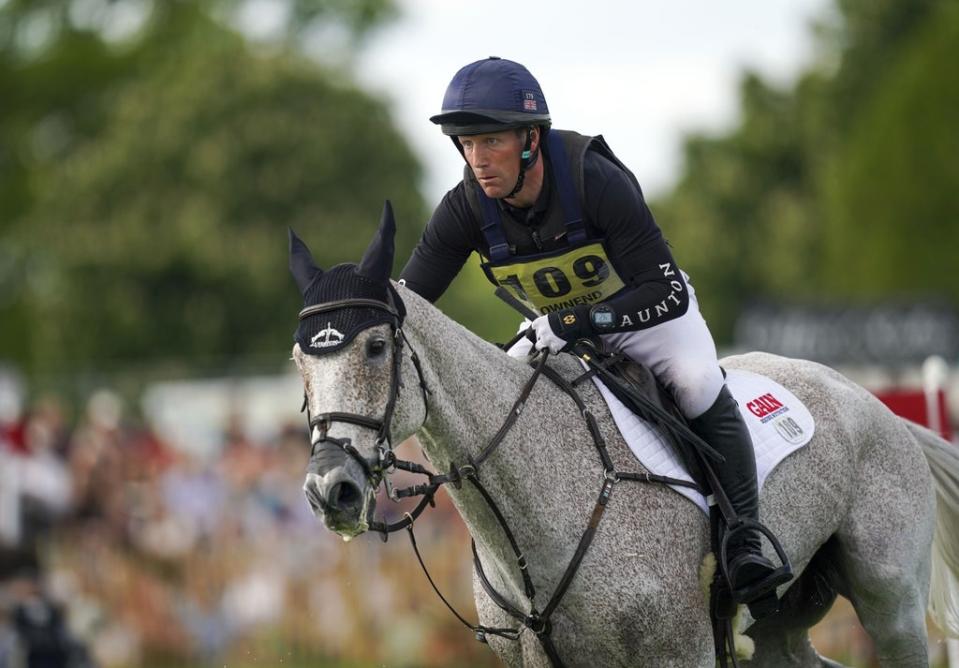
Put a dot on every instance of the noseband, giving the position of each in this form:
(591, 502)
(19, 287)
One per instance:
(385, 459)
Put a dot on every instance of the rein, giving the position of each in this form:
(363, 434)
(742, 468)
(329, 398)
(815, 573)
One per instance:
(539, 622)
(536, 621)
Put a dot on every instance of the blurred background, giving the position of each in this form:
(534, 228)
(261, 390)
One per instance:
(799, 155)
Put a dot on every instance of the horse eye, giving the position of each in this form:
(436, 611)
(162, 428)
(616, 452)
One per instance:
(375, 347)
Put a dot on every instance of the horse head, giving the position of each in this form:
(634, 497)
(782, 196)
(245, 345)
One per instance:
(349, 352)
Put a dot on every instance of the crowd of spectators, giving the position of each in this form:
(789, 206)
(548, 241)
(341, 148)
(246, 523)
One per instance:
(117, 549)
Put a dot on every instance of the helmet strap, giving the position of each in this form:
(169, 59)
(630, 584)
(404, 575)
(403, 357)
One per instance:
(527, 158)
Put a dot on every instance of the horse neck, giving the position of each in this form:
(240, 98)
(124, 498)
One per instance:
(473, 388)
(472, 383)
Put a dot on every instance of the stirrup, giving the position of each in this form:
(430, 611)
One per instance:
(761, 595)
(767, 583)
(764, 606)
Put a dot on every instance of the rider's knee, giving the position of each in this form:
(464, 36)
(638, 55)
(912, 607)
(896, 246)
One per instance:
(695, 384)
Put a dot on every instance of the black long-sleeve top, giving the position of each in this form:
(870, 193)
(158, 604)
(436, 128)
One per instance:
(614, 210)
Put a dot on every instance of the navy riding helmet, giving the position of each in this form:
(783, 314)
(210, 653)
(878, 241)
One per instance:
(493, 95)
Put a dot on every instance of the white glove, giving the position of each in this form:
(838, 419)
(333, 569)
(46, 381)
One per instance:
(545, 337)
(522, 348)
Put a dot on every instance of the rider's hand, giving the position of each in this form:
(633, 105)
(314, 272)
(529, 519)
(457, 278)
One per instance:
(545, 337)
(558, 330)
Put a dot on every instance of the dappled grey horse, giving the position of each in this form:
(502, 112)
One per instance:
(856, 509)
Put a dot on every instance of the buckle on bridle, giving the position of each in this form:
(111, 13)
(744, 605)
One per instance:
(387, 460)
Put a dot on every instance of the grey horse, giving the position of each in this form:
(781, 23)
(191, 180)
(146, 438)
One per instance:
(869, 509)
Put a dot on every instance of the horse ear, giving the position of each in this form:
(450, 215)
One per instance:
(377, 262)
(302, 266)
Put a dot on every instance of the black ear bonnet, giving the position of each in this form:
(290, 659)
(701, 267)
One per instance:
(334, 325)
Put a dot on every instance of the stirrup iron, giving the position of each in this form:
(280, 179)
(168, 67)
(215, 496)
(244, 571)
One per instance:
(760, 595)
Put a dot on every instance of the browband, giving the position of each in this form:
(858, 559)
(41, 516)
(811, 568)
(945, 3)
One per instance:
(348, 303)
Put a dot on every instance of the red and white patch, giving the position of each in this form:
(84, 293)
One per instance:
(766, 407)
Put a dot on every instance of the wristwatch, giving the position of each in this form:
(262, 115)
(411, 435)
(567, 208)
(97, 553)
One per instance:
(602, 317)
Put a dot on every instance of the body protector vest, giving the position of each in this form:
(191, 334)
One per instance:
(579, 271)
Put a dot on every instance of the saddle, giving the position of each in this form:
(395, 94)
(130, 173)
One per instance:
(636, 380)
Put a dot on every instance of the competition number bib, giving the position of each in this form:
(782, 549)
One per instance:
(582, 275)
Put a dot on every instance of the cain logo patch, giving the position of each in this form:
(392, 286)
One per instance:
(326, 337)
(766, 407)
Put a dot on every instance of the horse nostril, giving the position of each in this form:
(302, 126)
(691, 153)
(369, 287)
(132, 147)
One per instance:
(344, 495)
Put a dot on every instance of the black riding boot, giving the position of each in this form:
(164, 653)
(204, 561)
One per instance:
(752, 576)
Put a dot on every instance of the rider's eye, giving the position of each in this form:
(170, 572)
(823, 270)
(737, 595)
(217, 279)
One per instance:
(375, 347)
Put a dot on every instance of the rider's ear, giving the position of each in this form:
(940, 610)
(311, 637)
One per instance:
(302, 266)
(377, 262)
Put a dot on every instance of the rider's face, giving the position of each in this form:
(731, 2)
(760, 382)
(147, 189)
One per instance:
(494, 159)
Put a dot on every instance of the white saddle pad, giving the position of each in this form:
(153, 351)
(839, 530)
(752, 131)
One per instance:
(778, 422)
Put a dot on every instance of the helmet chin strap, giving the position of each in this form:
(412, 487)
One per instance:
(526, 160)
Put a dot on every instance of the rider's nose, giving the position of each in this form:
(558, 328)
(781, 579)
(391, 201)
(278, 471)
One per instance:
(478, 158)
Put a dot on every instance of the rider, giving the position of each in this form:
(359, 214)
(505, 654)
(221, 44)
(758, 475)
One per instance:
(562, 224)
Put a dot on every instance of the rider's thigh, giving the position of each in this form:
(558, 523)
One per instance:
(682, 354)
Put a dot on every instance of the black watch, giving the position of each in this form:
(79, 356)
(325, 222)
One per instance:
(602, 317)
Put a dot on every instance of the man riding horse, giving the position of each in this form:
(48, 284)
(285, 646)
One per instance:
(563, 225)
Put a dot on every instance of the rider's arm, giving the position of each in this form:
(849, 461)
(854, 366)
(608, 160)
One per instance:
(441, 251)
(655, 290)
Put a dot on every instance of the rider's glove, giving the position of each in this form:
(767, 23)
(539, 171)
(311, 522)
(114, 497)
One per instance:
(557, 330)
(522, 348)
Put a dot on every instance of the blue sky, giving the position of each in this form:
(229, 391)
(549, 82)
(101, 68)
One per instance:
(640, 73)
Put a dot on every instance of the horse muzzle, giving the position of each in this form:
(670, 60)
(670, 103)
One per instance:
(338, 490)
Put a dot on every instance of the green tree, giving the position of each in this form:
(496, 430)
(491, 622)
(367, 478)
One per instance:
(782, 206)
(60, 59)
(148, 220)
(740, 219)
(891, 191)
(167, 236)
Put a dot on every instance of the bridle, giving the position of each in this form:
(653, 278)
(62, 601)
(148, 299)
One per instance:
(537, 621)
(375, 469)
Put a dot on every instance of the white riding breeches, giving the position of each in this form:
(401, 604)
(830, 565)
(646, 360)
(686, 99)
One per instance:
(680, 352)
